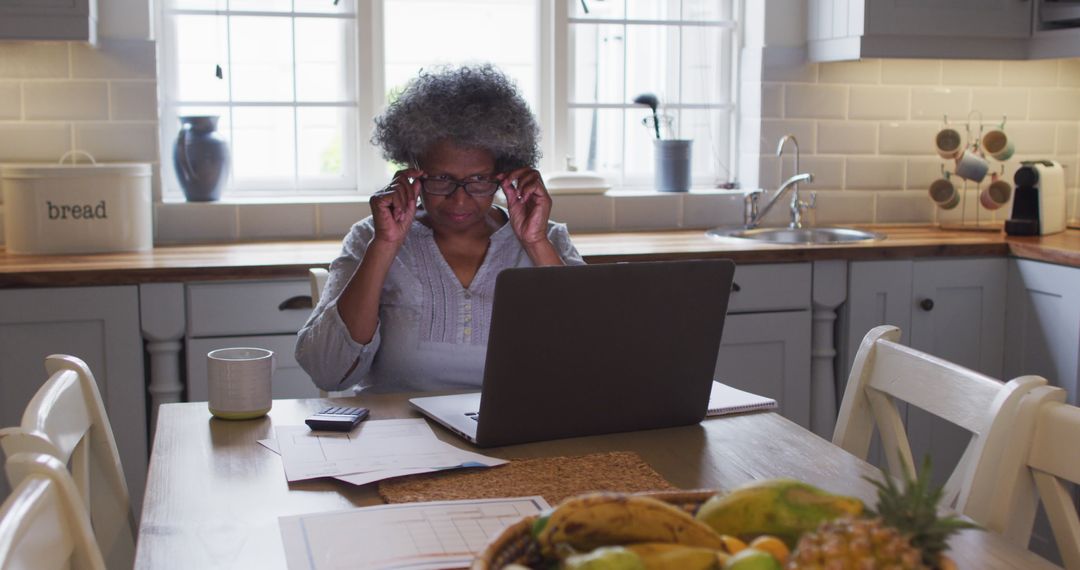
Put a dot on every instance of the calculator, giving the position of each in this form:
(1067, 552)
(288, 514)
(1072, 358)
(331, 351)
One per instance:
(338, 418)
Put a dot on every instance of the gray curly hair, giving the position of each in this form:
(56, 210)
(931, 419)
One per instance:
(473, 106)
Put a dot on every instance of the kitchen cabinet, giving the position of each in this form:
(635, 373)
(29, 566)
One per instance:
(263, 314)
(97, 324)
(74, 20)
(765, 346)
(950, 308)
(952, 29)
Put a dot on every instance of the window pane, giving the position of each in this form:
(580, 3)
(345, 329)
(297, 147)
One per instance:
(195, 4)
(706, 10)
(598, 63)
(652, 9)
(597, 8)
(702, 53)
(321, 56)
(261, 5)
(639, 148)
(652, 53)
(323, 137)
(598, 138)
(326, 6)
(261, 58)
(424, 33)
(263, 144)
(710, 131)
(200, 47)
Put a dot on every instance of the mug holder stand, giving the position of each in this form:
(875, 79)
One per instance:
(978, 224)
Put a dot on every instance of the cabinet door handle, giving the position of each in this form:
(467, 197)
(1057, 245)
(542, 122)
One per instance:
(735, 287)
(927, 304)
(297, 302)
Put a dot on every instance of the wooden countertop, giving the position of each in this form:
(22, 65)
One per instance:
(265, 260)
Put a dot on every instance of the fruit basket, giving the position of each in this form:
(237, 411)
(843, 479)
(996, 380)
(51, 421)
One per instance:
(515, 544)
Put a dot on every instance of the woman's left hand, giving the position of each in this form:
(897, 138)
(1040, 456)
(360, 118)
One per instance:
(529, 204)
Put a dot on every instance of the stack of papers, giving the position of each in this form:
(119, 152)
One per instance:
(375, 450)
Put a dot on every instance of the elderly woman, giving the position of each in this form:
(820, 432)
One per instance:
(408, 302)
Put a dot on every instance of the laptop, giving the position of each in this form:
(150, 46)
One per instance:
(592, 349)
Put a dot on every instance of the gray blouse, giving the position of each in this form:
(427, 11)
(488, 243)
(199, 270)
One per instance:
(432, 332)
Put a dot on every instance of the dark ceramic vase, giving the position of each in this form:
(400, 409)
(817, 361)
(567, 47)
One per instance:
(201, 158)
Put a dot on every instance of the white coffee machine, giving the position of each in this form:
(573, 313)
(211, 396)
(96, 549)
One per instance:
(1039, 199)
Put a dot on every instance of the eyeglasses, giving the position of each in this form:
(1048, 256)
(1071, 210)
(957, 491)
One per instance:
(443, 186)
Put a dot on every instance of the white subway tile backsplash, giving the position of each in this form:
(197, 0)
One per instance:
(1037, 73)
(36, 60)
(1068, 138)
(790, 73)
(1069, 72)
(66, 100)
(711, 210)
(584, 213)
(904, 208)
(772, 100)
(828, 171)
(118, 141)
(10, 100)
(815, 101)
(276, 221)
(843, 207)
(875, 173)
(769, 171)
(910, 72)
(846, 137)
(335, 219)
(1011, 102)
(872, 102)
(850, 72)
(936, 102)
(1055, 104)
(114, 59)
(773, 130)
(193, 222)
(921, 172)
(133, 100)
(34, 142)
(648, 212)
(970, 72)
(908, 138)
(1032, 138)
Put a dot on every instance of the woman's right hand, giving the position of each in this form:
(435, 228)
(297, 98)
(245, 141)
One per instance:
(394, 207)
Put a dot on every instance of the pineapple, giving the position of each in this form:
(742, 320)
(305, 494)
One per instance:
(904, 532)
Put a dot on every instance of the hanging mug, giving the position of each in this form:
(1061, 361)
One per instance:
(943, 192)
(971, 166)
(996, 194)
(998, 145)
(948, 143)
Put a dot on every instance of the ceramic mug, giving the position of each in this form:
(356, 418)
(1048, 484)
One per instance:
(998, 145)
(944, 193)
(996, 194)
(971, 166)
(239, 381)
(948, 143)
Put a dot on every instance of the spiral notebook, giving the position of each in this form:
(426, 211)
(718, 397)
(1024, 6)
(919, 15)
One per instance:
(724, 399)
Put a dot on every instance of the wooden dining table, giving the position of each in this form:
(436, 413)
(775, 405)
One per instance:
(214, 495)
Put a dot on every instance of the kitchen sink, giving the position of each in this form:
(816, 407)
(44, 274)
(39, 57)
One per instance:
(799, 235)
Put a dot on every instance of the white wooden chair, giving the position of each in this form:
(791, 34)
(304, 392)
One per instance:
(43, 523)
(1037, 456)
(66, 420)
(885, 370)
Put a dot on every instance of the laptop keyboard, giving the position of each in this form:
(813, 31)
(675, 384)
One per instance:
(474, 415)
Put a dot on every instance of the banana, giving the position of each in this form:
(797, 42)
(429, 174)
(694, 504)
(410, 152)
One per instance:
(782, 507)
(668, 556)
(589, 521)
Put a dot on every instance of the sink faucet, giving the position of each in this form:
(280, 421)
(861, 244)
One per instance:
(752, 216)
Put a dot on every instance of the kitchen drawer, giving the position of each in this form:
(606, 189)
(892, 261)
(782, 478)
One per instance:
(290, 381)
(770, 287)
(247, 308)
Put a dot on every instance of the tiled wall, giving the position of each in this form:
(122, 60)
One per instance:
(866, 129)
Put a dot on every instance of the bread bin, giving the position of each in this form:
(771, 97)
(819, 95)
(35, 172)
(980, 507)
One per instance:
(76, 208)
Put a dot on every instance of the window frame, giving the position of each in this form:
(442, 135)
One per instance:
(554, 78)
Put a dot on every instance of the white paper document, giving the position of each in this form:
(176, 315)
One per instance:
(377, 449)
(443, 534)
(724, 399)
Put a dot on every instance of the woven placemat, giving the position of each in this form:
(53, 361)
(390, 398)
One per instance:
(554, 478)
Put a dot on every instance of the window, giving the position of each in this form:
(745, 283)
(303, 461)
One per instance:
(296, 83)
